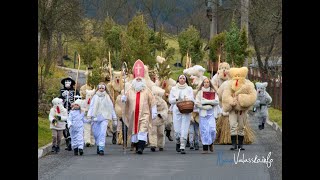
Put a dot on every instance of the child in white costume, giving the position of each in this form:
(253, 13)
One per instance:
(57, 117)
(76, 122)
(101, 111)
(207, 115)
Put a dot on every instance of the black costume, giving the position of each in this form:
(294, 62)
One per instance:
(67, 95)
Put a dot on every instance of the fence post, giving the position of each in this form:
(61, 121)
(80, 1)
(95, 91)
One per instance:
(275, 93)
(280, 85)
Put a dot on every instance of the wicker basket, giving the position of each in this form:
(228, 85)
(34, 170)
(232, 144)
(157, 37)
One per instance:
(185, 106)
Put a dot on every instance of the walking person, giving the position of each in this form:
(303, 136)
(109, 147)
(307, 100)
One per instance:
(101, 111)
(206, 100)
(181, 122)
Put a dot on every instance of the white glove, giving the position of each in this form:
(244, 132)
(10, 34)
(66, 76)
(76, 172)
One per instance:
(206, 107)
(65, 93)
(154, 112)
(123, 98)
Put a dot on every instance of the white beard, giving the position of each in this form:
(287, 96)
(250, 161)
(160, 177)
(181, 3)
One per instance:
(138, 86)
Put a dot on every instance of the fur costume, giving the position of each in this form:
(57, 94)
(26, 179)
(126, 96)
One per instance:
(196, 72)
(156, 135)
(167, 85)
(119, 107)
(238, 96)
(88, 134)
(83, 90)
(262, 103)
(221, 76)
(116, 85)
(57, 117)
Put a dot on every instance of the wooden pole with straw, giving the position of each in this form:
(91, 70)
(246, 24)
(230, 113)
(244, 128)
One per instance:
(75, 92)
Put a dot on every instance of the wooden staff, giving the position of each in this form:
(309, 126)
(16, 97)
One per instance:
(187, 61)
(75, 92)
(124, 69)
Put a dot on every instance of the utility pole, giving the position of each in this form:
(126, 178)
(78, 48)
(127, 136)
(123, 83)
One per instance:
(245, 16)
(212, 15)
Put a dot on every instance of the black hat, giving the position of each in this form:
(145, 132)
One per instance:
(70, 79)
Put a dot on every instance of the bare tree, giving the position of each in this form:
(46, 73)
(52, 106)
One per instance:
(265, 27)
(158, 10)
(56, 17)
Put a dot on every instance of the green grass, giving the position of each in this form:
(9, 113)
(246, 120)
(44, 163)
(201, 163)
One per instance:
(275, 115)
(44, 132)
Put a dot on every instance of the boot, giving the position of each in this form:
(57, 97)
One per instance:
(57, 149)
(97, 149)
(211, 147)
(75, 150)
(67, 144)
(69, 147)
(53, 149)
(196, 146)
(136, 145)
(101, 150)
(87, 144)
(183, 151)
(205, 149)
(141, 145)
(168, 135)
(81, 152)
(132, 146)
(188, 143)
(262, 126)
(191, 145)
(240, 142)
(160, 149)
(234, 142)
(178, 147)
(114, 138)
(153, 149)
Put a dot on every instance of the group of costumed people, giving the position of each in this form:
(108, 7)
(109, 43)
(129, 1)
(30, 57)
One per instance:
(140, 111)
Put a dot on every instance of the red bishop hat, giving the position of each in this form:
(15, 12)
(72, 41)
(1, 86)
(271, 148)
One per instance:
(138, 69)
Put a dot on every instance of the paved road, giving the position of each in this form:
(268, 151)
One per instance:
(168, 164)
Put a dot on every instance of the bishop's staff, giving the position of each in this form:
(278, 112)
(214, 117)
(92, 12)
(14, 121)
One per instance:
(124, 128)
(75, 92)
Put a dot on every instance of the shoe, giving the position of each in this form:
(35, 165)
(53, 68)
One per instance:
(153, 149)
(53, 149)
(114, 138)
(182, 151)
(196, 146)
(262, 126)
(240, 142)
(81, 152)
(160, 149)
(191, 146)
(188, 144)
(141, 145)
(101, 152)
(88, 144)
(168, 135)
(97, 149)
(75, 151)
